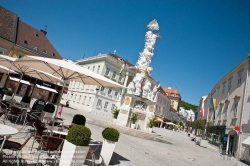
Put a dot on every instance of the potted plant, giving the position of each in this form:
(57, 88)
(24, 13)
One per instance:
(47, 111)
(115, 113)
(134, 118)
(151, 124)
(111, 136)
(79, 120)
(7, 95)
(76, 146)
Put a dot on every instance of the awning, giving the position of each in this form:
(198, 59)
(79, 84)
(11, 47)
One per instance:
(17, 80)
(246, 142)
(170, 123)
(157, 119)
(46, 88)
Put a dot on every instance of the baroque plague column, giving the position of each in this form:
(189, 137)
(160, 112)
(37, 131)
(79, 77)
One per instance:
(140, 93)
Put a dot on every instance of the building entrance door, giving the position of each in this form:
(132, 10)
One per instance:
(231, 145)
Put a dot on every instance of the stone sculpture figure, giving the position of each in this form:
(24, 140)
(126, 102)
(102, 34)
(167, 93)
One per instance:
(140, 85)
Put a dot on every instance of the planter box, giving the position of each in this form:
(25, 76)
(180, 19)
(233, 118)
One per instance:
(203, 143)
(132, 126)
(108, 148)
(73, 155)
(5, 97)
(150, 130)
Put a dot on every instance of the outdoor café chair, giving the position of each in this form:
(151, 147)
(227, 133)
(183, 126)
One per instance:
(50, 144)
(16, 112)
(2, 143)
(39, 129)
(93, 151)
(16, 146)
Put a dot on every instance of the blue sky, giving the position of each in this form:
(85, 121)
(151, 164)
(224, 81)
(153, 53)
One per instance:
(201, 40)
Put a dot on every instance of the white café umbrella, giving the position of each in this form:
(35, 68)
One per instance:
(9, 62)
(4, 69)
(67, 71)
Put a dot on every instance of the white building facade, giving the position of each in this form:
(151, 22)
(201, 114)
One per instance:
(230, 122)
(101, 100)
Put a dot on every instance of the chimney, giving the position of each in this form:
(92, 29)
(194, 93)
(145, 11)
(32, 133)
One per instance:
(43, 31)
(169, 87)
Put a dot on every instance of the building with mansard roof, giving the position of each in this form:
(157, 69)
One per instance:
(18, 38)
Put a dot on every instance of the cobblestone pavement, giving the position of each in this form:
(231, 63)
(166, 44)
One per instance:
(134, 151)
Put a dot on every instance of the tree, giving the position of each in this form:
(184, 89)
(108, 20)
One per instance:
(188, 106)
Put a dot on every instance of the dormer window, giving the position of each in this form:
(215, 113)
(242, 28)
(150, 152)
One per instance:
(45, 51)
(25, 42)
(53, 54)
(35, 47)
(37, 35)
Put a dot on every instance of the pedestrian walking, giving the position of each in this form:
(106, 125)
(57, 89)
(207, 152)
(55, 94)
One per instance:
(60, 110)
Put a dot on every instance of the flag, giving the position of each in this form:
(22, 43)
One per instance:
(123, 67)
(213, 105)
(203, 111)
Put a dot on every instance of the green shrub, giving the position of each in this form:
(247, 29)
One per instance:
(111, 134)
(134, 117)
(8, 93)
(115, 112)
(79, 120)
(79, 135)
(151, 122)
(50, 108)
(26, 99)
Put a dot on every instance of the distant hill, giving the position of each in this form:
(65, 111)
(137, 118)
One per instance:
(188, 106)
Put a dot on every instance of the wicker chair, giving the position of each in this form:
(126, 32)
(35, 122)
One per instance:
(16, 112)
(39, 129)
(50, 144)
(16, 146)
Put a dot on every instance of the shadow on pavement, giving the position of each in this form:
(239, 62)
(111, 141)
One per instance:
(116, 158)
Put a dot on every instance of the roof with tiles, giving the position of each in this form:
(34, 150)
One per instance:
(35, 41)
(172, 92)
(8, 24)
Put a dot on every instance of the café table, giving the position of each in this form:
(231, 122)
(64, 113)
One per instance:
(6, 130)
(58, 130)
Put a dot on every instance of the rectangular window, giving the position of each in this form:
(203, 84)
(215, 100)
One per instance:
(113, 106)
(239, 79)
(235, 109)
(80, 98)
(34, 47)
(106, 105)
(229, 85)
(45, 51)
(107, 71)
(109, 91)
(120, 78)
(102, 89)
(116, 92)
(226, 109)
(99, 103)
(88, 67)
(223, 88)
(93, 68)
(98, 68)
(84, 99)
(89, 100)
(114, 75)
